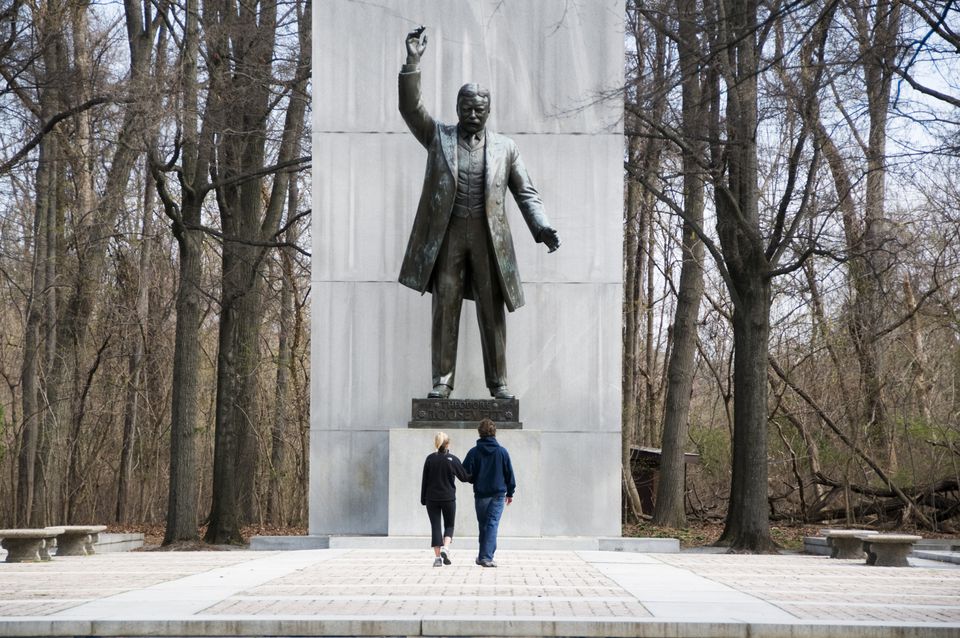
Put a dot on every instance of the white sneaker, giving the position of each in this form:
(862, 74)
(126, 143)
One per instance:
(446, 554)
(438, 562)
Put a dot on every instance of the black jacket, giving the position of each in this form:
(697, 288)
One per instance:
(439, 471)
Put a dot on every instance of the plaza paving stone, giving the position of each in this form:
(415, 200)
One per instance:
(811, 587)
(398, 592)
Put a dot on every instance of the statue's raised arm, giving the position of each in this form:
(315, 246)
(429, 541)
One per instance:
(420, 122)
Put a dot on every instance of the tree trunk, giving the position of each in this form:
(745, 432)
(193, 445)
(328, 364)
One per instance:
(652, 166)
(810, 445)
(632, 304)
(50, 406)
(80, 152)
(921, 386)
(877, 39)
(182, 493)
(29, 375)
(278, 431)
(40, 349)
(233, 465)
(649, 430)
(275, 514)
(824, 328)
(670, 509)
(181, 519)
(955, 377)
(747, 526)
(131, 415)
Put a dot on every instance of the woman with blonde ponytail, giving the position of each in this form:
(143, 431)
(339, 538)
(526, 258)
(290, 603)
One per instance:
(438, 491)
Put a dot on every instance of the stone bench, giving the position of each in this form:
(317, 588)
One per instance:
(888, 550)
(846, 543)
(27, 545)
(78, 540)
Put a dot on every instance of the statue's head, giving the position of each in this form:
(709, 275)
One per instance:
(473, 107)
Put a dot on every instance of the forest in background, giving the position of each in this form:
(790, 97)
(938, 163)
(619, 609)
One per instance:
(791, 253)
(790, 273)
(154, 265)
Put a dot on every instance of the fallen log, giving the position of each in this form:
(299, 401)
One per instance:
(825, 418)
(915, 491)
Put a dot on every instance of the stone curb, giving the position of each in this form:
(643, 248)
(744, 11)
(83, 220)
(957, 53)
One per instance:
(451, 626)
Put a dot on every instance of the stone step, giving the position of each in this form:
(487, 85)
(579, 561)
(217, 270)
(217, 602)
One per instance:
(469, 543)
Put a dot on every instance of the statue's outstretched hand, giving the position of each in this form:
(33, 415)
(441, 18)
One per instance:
(550, 237)
(416, 46)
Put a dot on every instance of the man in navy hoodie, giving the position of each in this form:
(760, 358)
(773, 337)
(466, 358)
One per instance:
(493, 486)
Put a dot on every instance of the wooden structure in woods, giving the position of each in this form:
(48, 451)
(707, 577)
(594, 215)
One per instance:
(645, 468)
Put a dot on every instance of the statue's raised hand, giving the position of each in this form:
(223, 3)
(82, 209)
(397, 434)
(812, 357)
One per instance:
(416, 46)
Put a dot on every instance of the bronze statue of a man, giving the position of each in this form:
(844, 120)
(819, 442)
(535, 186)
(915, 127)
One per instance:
(460, 245)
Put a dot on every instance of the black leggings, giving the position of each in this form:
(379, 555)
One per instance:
(434, 510)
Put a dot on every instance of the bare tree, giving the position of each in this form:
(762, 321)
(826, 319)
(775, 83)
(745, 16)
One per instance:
(90, 288)
(41, 302)
(249, 227)
(670, 507)
(282, 408)
(648, 65)
(752, 246)
(196, 149)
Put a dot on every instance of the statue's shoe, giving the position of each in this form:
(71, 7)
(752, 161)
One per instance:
(501, 392)
(440, 391)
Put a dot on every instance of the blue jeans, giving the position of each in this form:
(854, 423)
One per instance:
(489, 510)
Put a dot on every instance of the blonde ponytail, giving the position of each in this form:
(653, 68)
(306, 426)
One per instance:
(441, 441)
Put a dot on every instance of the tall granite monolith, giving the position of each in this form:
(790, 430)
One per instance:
(554, 70)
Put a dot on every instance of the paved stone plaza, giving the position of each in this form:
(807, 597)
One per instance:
(533, 593)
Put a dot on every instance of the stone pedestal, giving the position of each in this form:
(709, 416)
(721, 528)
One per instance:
(546, 67)
(28, 544)
(78, 540)
(846, 543)
(22, 550)
(889, 550)
(846, 548)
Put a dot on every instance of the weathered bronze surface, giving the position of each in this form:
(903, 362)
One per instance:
(464, 413)
(460, 246)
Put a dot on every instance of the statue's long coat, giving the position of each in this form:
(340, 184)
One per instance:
(503, 169)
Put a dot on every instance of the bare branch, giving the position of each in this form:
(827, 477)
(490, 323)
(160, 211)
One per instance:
(52, 122)
(241, 240)
(293, 165)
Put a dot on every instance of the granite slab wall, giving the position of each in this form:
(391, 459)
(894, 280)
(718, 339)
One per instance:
(554, 70)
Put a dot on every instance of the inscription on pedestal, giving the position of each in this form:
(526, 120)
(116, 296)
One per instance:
(464, 413)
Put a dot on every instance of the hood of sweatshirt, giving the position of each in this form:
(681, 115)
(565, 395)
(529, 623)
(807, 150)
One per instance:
(487, 446)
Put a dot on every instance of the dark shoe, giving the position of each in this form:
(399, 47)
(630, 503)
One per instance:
(445, 555)
(487, 563)
(440, 391)
(478, 562)
(438, 562)
(501, 392)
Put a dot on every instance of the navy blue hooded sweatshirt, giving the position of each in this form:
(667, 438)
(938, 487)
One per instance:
(489, 464)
